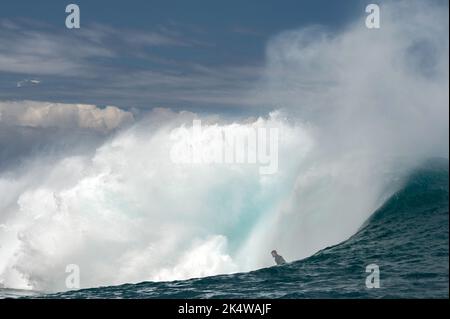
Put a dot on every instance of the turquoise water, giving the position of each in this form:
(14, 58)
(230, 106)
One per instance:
(407, 238)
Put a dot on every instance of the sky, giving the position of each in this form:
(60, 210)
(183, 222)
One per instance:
(196, 55)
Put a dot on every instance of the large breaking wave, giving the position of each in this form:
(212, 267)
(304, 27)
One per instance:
(358, 110)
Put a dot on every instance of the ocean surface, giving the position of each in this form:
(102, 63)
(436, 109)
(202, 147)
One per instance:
(407, 238)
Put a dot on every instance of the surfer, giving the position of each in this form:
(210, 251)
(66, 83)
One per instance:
(279, 260)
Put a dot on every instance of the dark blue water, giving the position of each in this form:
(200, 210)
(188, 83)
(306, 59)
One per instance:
(407, 238)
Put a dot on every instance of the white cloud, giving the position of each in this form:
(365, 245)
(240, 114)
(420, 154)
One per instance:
(68, 62)
(42, 114)
(39, 50)
(31, 51)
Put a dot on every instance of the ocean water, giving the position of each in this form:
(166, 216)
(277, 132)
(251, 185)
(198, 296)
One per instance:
(407, 238)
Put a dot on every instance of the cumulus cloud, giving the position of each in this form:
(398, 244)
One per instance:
(41, 114)
(30, 128)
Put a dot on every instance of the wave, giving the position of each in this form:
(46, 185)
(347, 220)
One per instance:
(407, 238)
(352, 126)
(114, 213)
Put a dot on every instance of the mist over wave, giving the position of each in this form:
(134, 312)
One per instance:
(357, 111)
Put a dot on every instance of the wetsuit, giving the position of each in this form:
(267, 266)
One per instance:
(279, 260)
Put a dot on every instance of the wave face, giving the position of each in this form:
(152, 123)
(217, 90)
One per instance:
(113, 214)
(407, 238)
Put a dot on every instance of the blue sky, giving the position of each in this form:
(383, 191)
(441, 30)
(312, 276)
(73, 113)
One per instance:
(145, 54)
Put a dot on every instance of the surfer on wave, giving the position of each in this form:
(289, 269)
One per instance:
(279, 260)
